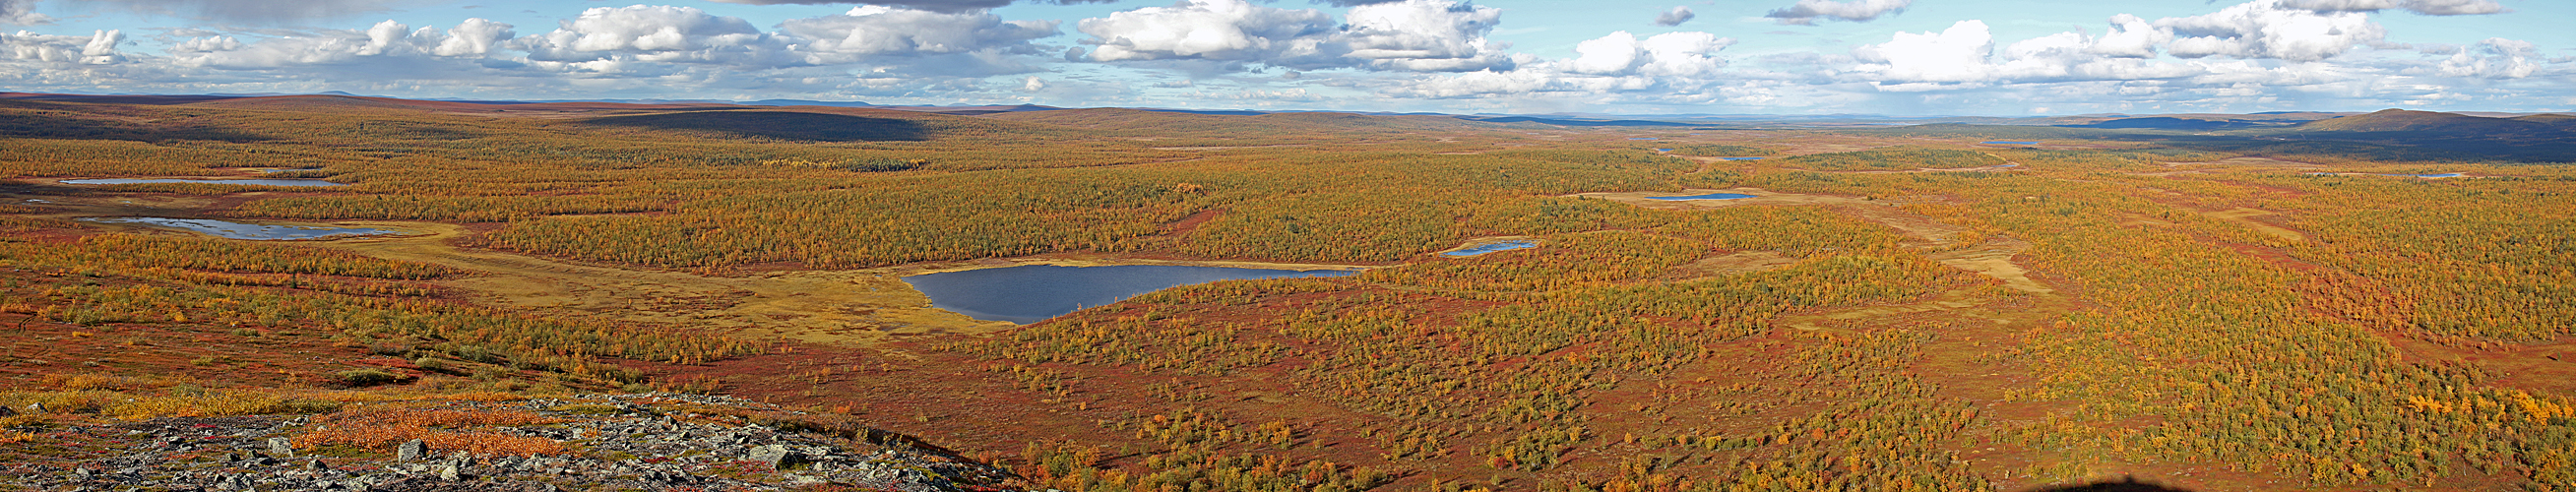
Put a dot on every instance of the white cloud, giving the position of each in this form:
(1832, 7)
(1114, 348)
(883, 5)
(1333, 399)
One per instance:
(255, 11)
(98, 48)
(1410, 35)
(1681, 63)
(941, 6)
(2265, 29)
(1423, 35)
(474, 37)
(1805, 12)
(1674, 17)
(2426, 7)
(877, 31)
(21, 12)
(2130, 37)
(1231, 30)
(613, 39)
(1957, 54)
(2494, 58)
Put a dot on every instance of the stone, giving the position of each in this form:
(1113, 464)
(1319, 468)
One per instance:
(35, 408)
(411, 451)
(281, 447)
(777, 456)
(317, 465)
(450, 473)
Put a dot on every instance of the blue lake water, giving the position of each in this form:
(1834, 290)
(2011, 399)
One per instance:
(2008, 142)
(1711, 196)
(1490, 248)
(1643, 138)
(260, 182)
(1663, 150)
(237, 230)
(1032, 293)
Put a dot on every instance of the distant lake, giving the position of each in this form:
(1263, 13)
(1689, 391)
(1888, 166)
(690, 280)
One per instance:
(1032, 293)
(237, 230)
(1490, 248)
(1711, 196)
(2009, 142)
(1739, 158)
(259, 182)
(1643, 138)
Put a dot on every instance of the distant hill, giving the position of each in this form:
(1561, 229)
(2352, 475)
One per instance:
(2169, 123)
(2399, 120)
(1192, 123)
(2557, 120)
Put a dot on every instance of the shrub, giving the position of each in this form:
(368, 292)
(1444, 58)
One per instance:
(367, 377)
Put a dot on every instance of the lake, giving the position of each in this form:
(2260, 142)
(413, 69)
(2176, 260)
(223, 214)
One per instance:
(237, 230)
(1032, 293)
(1739, 158)
(258, 182)
(1711, 196)
(2008, 142)
(1490, 248)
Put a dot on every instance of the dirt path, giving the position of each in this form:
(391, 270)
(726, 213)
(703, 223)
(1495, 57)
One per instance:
(2245, 216)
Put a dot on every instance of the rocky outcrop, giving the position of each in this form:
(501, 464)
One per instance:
(612, 442)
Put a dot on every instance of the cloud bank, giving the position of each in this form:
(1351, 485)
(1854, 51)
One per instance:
(1396, 55)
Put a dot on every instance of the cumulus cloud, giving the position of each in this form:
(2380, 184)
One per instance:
(605, 37)
(256, 11)
(1422, 35)
(474, 37)
(1674, 17)
(98, 48)
(1682, 63)
(2494, 58)
(942, 6)
(2426, 7)
(21, 12)
(1232, 30)
(1413, 35)
(2267, 29)
(1805, 12)
(1957, 54)
(877, 30)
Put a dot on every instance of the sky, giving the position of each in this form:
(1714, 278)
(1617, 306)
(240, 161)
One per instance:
(1635, 57)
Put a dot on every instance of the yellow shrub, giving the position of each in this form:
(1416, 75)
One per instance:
(217, 404)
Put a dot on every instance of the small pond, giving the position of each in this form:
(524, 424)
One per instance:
(237, 230)
(1644, 138)
(1032, 293)
(1711, 196)
(259, 182)
(1491, 248)
(2008, 142)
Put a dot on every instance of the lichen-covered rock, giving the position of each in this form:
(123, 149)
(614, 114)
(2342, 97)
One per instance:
(641, 445)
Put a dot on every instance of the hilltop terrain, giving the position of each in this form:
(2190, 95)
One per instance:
(2198, 302)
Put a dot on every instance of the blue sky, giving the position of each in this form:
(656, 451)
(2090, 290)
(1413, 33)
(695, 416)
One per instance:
(1897, 57)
